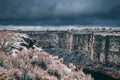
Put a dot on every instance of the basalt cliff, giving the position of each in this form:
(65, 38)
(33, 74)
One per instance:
(98, 48)
(21, 59)
(100, 45)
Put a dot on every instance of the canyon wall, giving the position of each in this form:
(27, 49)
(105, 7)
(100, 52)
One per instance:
(100, 45)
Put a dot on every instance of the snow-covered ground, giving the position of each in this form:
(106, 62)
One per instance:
(36, 28)
(13, 41)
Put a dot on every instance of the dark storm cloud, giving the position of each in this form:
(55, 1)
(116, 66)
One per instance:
(50, 9)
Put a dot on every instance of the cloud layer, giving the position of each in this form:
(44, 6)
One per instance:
(54, 9)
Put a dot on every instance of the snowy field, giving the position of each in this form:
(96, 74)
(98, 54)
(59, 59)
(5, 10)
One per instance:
(36, 28)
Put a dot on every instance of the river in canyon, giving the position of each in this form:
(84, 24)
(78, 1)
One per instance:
(98, 75)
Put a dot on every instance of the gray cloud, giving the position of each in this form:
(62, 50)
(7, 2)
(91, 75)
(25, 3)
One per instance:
(50, 9)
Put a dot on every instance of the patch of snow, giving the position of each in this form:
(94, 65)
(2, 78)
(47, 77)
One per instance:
(24, 48)
(2, 42)
(6, 43)
(72, 66)
(35, 56)
(16, 44)
(67, 70)
(14, 52)
(55, 57)
(23, 35)
(37, 48)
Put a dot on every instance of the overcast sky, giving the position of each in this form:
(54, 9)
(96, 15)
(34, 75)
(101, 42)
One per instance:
(67, 10)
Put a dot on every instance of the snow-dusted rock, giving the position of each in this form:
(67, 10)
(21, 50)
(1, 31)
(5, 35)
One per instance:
(23, 35)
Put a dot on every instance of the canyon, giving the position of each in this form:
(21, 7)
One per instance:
(21, 59)
(94, 49)
(100, 45)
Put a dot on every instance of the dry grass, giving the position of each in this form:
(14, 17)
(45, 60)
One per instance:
(36, 66)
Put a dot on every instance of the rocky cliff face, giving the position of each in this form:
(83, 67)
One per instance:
(21, 59)
(107, 47)
(100, 45)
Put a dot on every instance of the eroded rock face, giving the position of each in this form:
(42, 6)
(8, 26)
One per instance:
(29, 62)
(100, 45)
(107, 48)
